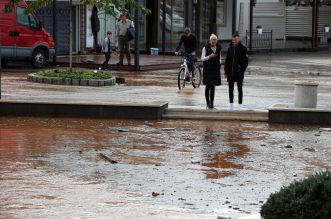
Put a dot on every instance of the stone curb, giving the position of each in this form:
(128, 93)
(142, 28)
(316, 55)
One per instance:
(68, 81)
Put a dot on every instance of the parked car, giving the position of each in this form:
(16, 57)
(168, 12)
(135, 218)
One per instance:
(22, 37)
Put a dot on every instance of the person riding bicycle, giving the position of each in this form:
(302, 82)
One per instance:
(190, 44)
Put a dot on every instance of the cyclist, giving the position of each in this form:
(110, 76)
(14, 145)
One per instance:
(190, 44)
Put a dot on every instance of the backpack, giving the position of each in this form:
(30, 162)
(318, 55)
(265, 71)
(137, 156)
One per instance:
(130, 33)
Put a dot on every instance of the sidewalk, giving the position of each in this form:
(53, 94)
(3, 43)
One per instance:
(269, 80)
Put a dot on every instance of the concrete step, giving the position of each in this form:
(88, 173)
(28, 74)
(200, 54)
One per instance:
(217, 114)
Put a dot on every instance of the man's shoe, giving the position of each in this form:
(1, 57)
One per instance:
(230, 107)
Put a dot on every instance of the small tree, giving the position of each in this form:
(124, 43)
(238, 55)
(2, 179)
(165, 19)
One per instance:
(306, 199)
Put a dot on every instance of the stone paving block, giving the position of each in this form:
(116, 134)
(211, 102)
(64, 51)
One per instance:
(39, 79)
(58, 81)
(101, 83)
(83, 82)
(47, 80)
(67, 81)
(111, 81)
(75, 82)
(30, 77)
(94, 83)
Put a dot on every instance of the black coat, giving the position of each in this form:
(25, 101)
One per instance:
(236, 62)
(212, 67)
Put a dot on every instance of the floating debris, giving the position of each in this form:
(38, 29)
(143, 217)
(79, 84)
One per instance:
(105, 157)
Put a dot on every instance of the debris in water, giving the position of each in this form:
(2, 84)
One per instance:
(168, 129)
(107, 158)
(123, 130)
(288, 146)
(294, 174)
(154, 194)
(310, 149)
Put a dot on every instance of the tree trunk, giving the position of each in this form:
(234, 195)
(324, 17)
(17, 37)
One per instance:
(70, 35)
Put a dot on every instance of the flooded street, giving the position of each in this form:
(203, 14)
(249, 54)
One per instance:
(82, 168)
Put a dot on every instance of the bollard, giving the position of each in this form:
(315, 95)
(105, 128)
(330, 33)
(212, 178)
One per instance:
(305, 94)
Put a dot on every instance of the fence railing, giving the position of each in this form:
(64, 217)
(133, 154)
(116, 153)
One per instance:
(259, 40)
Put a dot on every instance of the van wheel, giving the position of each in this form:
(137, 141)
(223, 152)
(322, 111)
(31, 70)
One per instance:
(39, 58)
(4, 63)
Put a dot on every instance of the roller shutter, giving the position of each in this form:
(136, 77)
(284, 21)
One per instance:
(298, 21)
(271, 16)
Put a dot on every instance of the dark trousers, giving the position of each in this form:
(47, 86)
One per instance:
(209, 95)
(107, 58)
(240, 91)
(124, 47)
(190, 64)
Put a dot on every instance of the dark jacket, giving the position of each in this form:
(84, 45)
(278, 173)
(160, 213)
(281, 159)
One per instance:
(236, 63)
(190, 43)
(212, 67)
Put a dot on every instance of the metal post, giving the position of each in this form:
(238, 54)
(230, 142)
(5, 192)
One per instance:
(0, 69)
(189, 12)
(70, 35)
(136, 40)
(54, 30)
(163, 26)
(316, 23)
(251, 4)
(234, 16)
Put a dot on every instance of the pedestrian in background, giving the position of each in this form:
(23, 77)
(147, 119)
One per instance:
(211, 57)
(123, 43)
(190, 44)
(236, 63)
(106, 50)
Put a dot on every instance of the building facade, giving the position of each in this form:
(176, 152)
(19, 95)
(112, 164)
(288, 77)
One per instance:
(290, 21)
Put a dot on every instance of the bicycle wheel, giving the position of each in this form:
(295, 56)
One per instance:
(196, 80)
(181, 78)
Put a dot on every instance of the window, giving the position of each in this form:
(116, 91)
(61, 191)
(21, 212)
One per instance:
(221, 13)
(26, 20)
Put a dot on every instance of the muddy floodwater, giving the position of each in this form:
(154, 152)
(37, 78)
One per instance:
(82, 168)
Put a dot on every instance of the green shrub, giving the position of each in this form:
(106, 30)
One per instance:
(75, 74)
(306, 199)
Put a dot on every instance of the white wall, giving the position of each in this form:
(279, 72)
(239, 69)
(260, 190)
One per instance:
(225, 32)
(245, 15)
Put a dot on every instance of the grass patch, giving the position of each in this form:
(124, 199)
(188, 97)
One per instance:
(306, 199)
(75, 74)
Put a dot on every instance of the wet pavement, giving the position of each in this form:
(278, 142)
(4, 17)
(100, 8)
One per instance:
(56, 168)
(269, 80)
(52, 168)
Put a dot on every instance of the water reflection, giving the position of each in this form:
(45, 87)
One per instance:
(221, 150)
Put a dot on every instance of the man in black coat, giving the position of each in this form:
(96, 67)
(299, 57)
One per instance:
(235, 66)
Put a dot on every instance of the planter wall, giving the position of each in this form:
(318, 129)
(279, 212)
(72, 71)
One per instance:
(69, 81)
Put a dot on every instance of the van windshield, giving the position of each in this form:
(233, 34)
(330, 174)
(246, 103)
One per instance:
(26, 20)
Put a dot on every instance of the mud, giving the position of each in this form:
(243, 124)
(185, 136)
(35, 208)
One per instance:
(51, 168)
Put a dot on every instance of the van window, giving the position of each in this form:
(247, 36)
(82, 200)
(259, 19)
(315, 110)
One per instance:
(25, 20)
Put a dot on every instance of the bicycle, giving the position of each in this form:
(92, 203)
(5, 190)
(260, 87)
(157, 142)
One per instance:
(185, 76)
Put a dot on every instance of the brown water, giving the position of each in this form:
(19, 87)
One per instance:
(51, 168)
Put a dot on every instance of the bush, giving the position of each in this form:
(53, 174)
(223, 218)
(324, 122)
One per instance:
(258, 26)
(75, 74)
(306, 199)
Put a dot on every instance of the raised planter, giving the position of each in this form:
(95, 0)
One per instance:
(69, 81)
